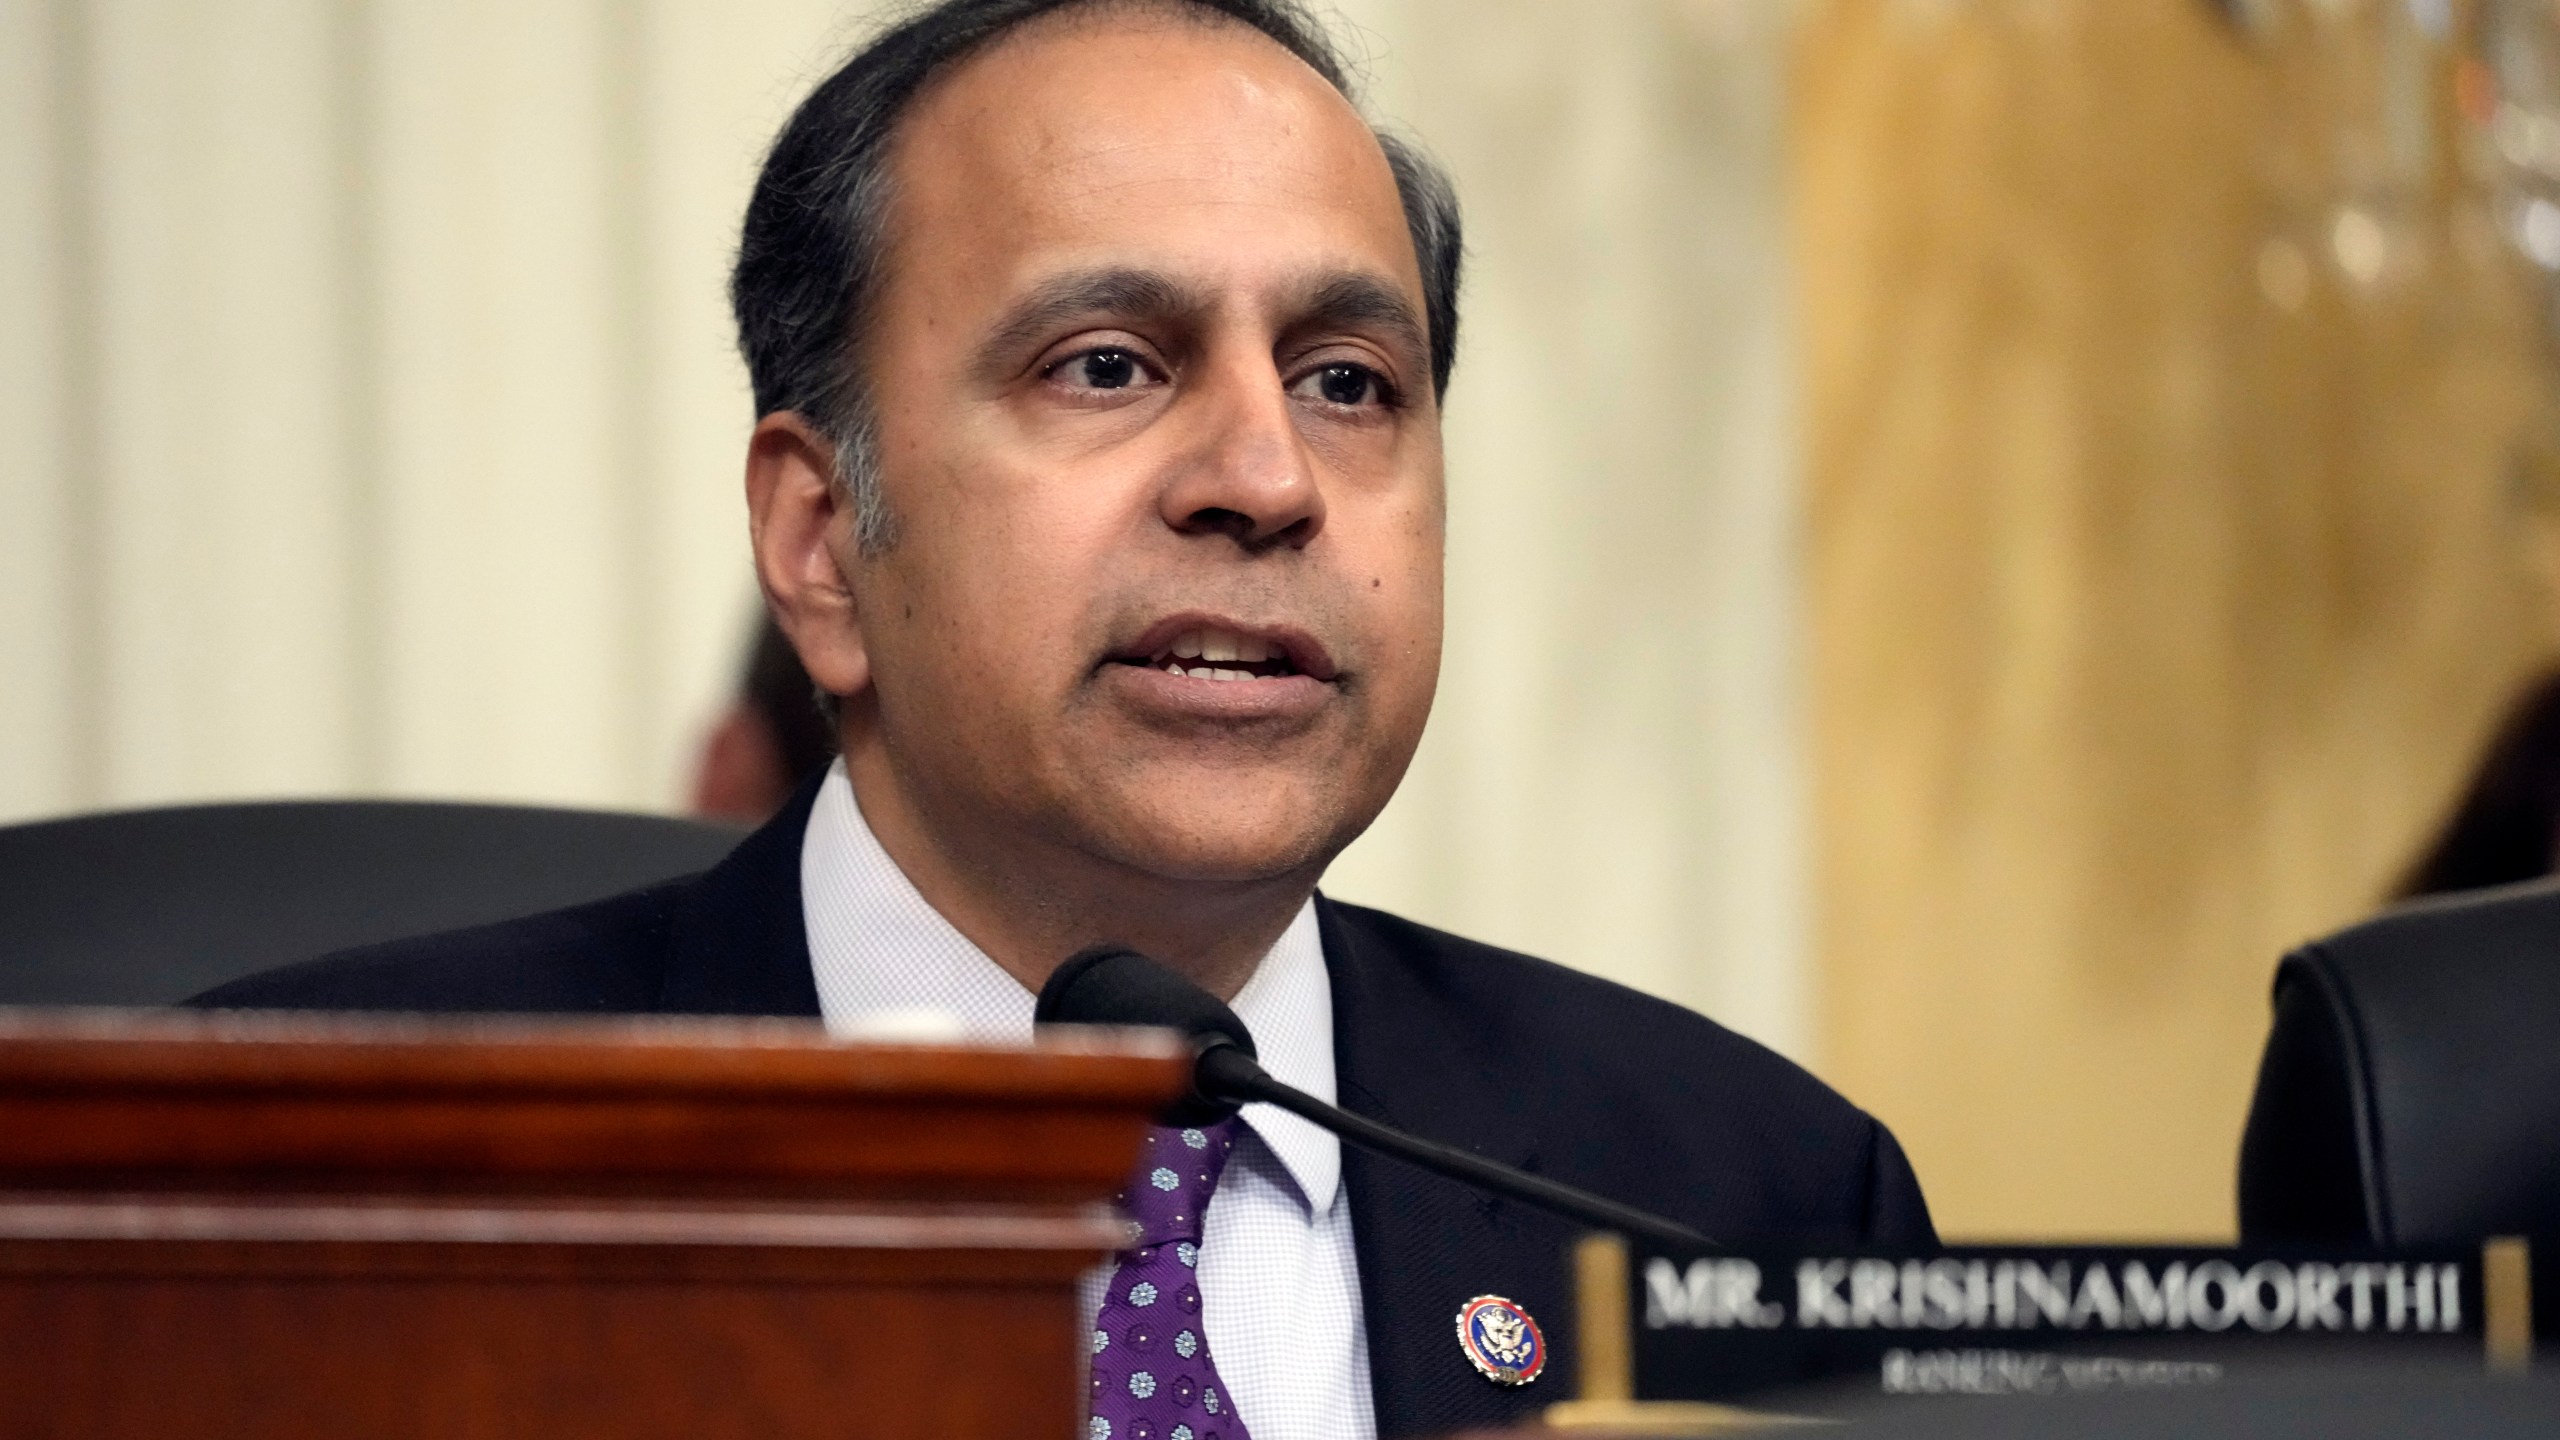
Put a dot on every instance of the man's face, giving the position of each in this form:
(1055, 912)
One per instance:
(1156, 424)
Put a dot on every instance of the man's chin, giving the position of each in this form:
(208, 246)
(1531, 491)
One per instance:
(1196, 847)
(1224, 861)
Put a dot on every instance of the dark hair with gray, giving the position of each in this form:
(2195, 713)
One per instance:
(811, 249)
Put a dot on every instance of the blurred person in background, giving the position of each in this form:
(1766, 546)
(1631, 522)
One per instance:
(2507, 827)
(771, 739)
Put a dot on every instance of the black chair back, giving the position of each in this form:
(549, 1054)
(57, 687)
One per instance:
(148, 907)
(2410, 1092)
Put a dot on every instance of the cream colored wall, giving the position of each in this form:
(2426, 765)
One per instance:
(1612, 776)
(369, 424)
(2161, 589)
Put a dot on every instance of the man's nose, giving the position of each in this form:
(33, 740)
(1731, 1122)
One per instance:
(1249, 475)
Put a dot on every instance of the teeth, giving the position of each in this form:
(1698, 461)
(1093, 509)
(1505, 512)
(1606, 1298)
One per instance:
(1221, 650)
(1206, 672)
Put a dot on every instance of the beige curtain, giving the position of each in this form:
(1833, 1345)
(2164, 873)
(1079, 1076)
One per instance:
(370, 424)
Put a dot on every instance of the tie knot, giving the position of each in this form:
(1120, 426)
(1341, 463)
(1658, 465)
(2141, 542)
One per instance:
(1177, 1171)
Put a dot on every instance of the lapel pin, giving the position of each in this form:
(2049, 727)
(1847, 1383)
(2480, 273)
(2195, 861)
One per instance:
(1501, 1340)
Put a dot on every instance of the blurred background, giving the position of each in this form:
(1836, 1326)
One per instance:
(1975, 523)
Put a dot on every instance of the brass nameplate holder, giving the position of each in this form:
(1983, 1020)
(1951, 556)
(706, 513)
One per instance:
(1604, 1342)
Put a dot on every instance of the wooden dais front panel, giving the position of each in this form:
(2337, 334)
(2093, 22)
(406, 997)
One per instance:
(316, 1227)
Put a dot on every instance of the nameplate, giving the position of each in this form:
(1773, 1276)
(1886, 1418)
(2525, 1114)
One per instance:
(1977, 1320)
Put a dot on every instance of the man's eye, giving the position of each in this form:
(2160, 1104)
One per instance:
(1101, 370)
(1345, 385)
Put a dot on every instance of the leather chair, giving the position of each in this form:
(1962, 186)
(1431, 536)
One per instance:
(2410, 1092)
(148, 907)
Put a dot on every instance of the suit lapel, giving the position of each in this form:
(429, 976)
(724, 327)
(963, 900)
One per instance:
(739, 945)
(1427, 1245)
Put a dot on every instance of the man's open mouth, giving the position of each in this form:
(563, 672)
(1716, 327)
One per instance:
(1209, 653)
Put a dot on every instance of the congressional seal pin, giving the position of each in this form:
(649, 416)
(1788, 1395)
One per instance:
(1501, 1340)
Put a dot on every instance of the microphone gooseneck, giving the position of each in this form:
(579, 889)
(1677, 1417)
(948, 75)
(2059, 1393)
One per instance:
(1115, 985)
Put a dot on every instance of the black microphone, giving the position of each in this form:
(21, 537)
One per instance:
(1115, 985)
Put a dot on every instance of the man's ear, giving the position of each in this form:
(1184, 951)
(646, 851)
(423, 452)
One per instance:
(800, 524)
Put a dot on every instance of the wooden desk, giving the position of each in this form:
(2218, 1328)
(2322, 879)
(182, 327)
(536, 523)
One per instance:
(235, 1226)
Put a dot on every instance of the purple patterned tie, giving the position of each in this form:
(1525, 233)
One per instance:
(1152, 1376)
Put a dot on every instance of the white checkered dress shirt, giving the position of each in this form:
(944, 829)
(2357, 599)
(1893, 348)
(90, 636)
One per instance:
(1279, 1284)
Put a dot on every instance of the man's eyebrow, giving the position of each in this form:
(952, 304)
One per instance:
(1334, 300)
(1353, 300)
(1129, 293)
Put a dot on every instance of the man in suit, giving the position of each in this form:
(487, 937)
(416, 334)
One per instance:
(1098, 352)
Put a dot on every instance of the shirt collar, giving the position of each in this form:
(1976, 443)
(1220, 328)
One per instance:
(1288, 1005)
(879, 952)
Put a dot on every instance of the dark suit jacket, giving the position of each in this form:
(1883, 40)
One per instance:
(1526, 1062)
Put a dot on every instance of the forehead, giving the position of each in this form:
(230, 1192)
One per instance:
(1139, 138)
